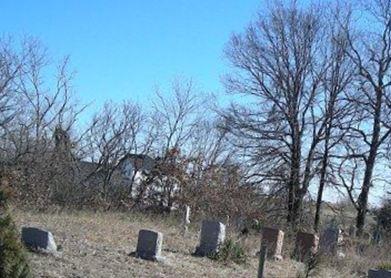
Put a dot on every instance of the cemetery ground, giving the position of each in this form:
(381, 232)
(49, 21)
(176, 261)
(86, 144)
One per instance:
(98, 244)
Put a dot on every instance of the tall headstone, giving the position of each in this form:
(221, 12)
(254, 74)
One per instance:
(329, 240)
(149, 245)
(37, 239)
(212, 237)
(273, 239)
(306, 245)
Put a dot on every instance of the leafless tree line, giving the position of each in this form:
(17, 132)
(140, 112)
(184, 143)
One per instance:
(317, 81)
(52, 159)
(314, 110)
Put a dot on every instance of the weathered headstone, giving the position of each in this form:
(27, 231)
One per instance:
(273, 239)
(352, 230)
(329, 240)
(212, 236)
(379, 273)
(149, 245)
(306, 245)
(37, 239)
(376, 236)
(262, 260)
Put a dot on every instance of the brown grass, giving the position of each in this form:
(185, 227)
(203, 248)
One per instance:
(97, 244)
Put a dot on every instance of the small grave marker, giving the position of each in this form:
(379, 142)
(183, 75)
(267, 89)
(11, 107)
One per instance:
(38, 239)
(273, 239)
(212, 236)
(306, 245)
(379, 273)
(149, 245)
(329, 240)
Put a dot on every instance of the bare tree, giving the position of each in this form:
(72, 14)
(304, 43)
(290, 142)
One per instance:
(171, 124)
(280, 67)
(370, 51)
(113, 133)
(176, 115)
(35, 104)
(337, 111)
(39, 105)
(11, 67)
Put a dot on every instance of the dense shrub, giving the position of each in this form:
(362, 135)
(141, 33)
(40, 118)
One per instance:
(13, 262)
(384, 215)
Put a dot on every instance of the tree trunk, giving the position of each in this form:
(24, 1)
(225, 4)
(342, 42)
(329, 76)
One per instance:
(294, 202)
(322, 181)
(297, 210)
(362, 201)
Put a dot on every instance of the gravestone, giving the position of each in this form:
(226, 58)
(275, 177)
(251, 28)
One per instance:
(352, 230)
(212, 237)
(186, 219)
(38, 239)
(379, 273)
(262, 260)
(149, 245)
(376, 236)
(329, 240)
(306, 245)
(273, 239)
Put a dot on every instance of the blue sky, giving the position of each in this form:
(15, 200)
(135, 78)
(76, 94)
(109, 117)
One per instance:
(122, 49)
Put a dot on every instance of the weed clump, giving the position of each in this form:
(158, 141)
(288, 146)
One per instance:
(230, 251)
(384, 266)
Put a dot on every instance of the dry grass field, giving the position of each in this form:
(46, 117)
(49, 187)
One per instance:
(98, 245)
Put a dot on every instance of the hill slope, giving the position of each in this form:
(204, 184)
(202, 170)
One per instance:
(98, 244)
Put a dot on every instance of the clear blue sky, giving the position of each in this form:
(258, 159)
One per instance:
(122, 49)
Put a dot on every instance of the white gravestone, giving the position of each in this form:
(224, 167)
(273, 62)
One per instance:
(186, 219)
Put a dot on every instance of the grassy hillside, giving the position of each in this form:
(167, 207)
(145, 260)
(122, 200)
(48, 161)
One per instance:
(98, 244)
